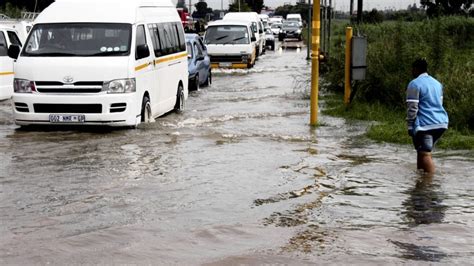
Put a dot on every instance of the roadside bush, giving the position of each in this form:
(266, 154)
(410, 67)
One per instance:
(448, 45)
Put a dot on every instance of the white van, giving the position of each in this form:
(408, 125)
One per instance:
(295, 18)
(20, 26)
(257, 26)
(108, 62)
(231, 44)
(276, 19)
(8, 37)
(265, 19)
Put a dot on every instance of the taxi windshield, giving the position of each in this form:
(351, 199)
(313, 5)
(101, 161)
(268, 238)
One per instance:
(79, 39)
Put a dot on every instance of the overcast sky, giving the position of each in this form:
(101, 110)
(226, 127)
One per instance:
(339, 4)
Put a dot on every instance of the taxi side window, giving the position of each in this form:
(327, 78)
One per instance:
(141, 39)
(167, 38)
(14, 38)
(3, 45)
(174, 37)
(180, 34)
(155, 39)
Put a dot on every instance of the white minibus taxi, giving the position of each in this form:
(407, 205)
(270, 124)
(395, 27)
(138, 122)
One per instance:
(108, 62)
(231, 44)
(8, 37)
(257, 26)
(20, 26)
(295, 17)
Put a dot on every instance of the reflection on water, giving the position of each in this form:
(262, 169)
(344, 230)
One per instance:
(425, 202)
(420, 253)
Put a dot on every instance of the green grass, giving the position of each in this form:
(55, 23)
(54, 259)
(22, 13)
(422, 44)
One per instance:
(390, 124)
(447, 43)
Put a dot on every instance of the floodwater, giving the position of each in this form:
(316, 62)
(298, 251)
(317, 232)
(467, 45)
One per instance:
(238, 178)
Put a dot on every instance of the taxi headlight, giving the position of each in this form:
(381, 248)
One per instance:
(120, 86)
(23, 86)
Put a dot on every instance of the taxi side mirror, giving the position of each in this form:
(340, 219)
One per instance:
(13, 51)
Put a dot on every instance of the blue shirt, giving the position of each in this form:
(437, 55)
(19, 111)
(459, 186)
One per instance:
(425, 104)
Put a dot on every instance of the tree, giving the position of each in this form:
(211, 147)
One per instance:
(243, 7)
(201, 10)
(283, 10)
(28, 5)
(446, 7)
(301, 9)
(372, 17)
(255, 5)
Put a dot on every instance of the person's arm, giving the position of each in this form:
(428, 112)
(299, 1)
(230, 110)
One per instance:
(413, 97)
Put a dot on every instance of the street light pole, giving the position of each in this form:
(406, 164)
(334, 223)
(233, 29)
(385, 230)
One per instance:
(359, 11)
(308, 52)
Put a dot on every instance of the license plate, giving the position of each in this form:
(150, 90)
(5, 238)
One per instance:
(67, 118)
(225, 64)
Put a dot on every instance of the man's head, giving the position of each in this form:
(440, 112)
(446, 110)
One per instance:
(419, 67)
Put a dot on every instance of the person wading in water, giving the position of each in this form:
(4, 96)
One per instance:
(426, 118)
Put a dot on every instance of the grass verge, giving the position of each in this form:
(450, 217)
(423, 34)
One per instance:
(390, 123)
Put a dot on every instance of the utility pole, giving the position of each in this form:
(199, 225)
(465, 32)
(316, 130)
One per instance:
(329, 28)
(324, 27)
(308, 45)
(190, 5)
(359, 11)
(316, 34)
(351, 8)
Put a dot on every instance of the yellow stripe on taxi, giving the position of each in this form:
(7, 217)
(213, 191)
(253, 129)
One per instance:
(6, 73)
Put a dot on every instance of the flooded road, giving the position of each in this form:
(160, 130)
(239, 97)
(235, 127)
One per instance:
(238, 178)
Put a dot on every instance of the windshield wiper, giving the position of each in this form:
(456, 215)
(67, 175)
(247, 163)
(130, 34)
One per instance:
(53, 54)
(236, 39)
(220, 38)
(107, 53)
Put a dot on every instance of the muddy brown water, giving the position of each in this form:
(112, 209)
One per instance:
(238, 178)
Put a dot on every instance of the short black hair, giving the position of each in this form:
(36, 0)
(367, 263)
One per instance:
(420, 64)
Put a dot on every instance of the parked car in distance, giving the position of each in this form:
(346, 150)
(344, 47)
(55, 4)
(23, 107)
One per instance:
(276, 28)
(290, 29)
(8, 37)
(231, 44)
(270, 39)
(199, 63)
